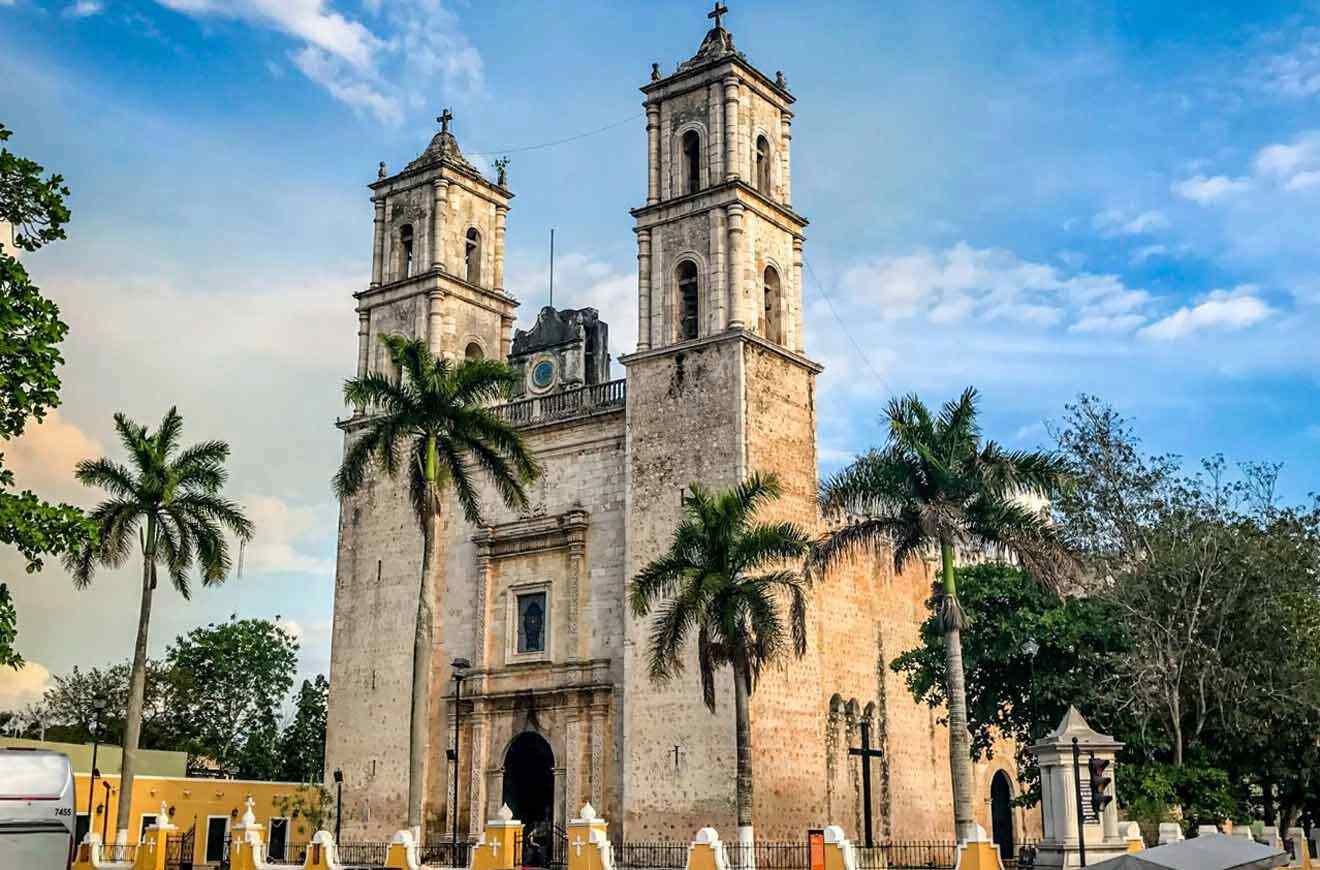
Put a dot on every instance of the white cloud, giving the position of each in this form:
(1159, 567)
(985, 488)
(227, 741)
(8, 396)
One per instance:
(1204, 190)
(1222, 310)
(963, 282)
(280, 529)
(24, 686)
(1108, 324)
(1113, 222)
(380, 74)
(1142, 254)
(43, 458)
(1296, 72)
(83, 9)
(1303, 180)
(1293, 166)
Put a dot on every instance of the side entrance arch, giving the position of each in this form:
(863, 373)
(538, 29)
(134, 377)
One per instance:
(529, 790)
(1001, 814)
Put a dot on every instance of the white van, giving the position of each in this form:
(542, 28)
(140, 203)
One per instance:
(36, 810)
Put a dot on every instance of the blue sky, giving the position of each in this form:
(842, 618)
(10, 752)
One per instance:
(1040, 199)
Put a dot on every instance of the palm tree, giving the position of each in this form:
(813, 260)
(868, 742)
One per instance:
(723, 577)
(435, 418)
(169, 503)
(936, 484)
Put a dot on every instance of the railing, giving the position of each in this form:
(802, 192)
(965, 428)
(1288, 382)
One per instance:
(767, 855)
(287, 854)
(658, 856)
(565, 405)
(363, 855)
(445, 854)
(110, 853)
(908, 855)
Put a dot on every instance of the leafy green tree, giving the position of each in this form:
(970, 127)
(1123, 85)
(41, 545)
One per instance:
(71, 698)
(312, 805)
(434, 422)
(1015, 689)
(170, 504)
(723, 579)
(228, 681)
(936, 484)
(303, 741)
(9, 657)
(30, 333)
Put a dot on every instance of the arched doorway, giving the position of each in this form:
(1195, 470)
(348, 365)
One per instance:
(1001, 814)
(529, 790)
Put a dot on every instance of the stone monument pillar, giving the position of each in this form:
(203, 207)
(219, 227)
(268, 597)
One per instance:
(1054, 752)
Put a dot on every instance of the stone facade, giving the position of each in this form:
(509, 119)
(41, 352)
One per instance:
(537, 601)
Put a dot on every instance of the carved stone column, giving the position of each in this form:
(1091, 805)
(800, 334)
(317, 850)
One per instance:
(652, 153)
(730, 128)
(440, 191)
(501, 218)
(596, 764)
(785, 176)
(506, 336)
(737, 264)
(574, 525)
(435, 320)
(796, 325)
(378, 243)
(364, 338)
(477, 781)
(644, 289)
(715, 141)
(573, 762)
(719, 271)
(481, 604)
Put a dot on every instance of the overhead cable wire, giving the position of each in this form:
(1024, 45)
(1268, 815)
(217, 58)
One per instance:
(553, 143)
(843, 326)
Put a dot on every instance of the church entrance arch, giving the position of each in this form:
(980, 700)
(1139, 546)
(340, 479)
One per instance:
(529, 790)
(1001, 814)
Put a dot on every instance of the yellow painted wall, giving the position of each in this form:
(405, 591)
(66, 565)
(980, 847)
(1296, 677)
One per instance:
(192, 801)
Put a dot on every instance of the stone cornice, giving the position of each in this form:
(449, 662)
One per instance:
(497, 300)
(719, 338)
(533, 533)
(736, 185)
(672, 84)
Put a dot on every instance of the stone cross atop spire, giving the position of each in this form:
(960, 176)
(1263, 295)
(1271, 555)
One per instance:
(719, 10)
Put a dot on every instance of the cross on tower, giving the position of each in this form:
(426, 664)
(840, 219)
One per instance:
(445, 117)
(866, 753)
(720, 9)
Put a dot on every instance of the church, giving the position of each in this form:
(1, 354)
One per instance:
(551, 705)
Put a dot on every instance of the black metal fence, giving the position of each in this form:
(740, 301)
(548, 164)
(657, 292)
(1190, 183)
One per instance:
(446, 854)
(657, 855)
(908, 855)
(180, 849)
(363, 855)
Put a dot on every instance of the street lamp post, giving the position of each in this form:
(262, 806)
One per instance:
(460, 665)
(98, 712)
(1032, 647)
(105, 819)
(339, 799)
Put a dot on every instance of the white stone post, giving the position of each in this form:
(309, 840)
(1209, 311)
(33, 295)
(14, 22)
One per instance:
(652, 153)
(643, 289)
(730, 128)
(1054, 753)
(378, 243)
(736, 257)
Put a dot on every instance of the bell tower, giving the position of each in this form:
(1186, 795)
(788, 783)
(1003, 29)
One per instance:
(718, 244)
(437, 261)
(718, 388)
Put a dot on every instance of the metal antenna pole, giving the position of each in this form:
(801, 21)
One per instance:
(552, 267)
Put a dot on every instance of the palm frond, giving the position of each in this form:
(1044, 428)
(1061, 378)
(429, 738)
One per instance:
(108, 475)
(767, 543)
(477, 381)
(860, 536)
(167, 435)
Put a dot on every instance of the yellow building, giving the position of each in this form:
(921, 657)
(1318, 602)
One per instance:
(212, 805)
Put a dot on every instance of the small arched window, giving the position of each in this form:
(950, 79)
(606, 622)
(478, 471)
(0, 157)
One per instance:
(406, 250)
(687, 300)
(763, 165)
(472, 256)
(691, 161)
(772, 324)
(473, 351)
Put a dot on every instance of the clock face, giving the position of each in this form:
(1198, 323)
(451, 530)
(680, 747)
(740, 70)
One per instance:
(543, 373)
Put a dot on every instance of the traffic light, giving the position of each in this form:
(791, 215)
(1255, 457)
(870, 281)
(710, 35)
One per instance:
(1101, 784)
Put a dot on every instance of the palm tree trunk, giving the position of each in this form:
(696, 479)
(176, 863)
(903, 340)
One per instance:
(137, 683)
(421, 676)
(743, 740)
(960, 749)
